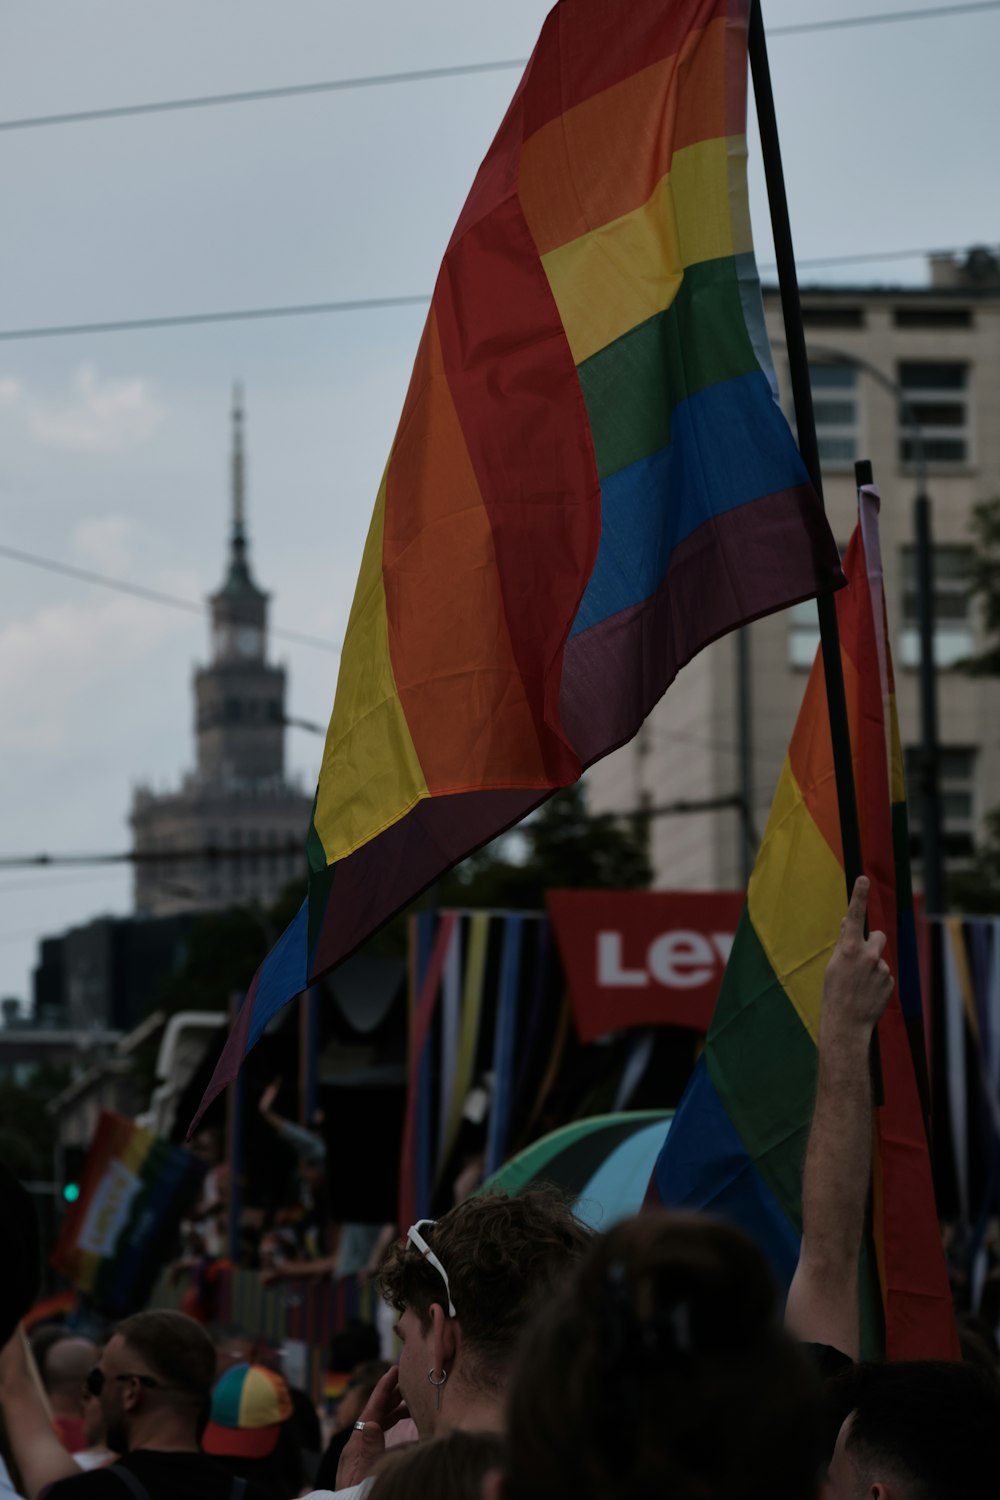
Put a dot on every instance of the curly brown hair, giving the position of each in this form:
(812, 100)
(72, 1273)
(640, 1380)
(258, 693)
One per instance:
(503, 1256)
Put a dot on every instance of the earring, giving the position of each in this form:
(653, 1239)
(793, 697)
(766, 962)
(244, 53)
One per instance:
(437, 1384)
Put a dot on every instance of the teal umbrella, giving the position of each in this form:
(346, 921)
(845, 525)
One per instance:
(603, 1163)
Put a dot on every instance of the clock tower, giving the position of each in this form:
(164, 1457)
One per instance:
(239, 696)
(234, 831)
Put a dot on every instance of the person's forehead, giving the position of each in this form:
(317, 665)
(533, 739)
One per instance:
(840, 1463)
(113, 1353)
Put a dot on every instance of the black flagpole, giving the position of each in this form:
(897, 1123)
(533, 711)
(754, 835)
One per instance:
(798, 370)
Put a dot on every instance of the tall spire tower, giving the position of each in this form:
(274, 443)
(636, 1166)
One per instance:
(238, 569)
(241, 698)
(237, 799)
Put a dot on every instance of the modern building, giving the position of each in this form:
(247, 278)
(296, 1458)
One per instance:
(235, 830)
(894, 370)
(106, 974)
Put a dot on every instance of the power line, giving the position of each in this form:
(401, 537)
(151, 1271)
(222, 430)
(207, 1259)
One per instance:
(209, 854)
(424, 75)
(237, 315)
(856, 260)
(153, 596)
(256, 96)
(882, 18)
(363, 304)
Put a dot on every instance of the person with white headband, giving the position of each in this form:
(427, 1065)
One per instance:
(464, 1286)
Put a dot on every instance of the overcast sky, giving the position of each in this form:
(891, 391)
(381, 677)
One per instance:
(114, 448)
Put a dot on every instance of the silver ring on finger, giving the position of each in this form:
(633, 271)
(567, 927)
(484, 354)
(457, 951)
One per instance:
(359, 1427)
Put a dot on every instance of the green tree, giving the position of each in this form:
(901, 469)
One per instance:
(560, 846)
(977, 889)
(223, 950)
(27, 1130)
(984, 584)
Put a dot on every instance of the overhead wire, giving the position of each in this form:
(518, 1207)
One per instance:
(883, 18)
(155, 596)
(423, 75)
(341, 305)
(234, 315)
(207, 854)
(256, 96)
(368, 304)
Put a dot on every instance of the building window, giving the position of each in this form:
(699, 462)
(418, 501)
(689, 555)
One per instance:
(956, 790)
(937, 397)
(803, 634)
(803, 630)
(932, 317)
(835, 409)
(833, 317)
(953, 638)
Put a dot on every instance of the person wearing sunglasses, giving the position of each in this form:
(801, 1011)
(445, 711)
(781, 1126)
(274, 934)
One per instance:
(153, 1383)
(464, 1287)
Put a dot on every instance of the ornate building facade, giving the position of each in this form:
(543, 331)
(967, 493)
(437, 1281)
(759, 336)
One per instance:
(235, 830)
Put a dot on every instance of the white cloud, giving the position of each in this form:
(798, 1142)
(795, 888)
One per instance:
(71, 672)
(104, 543)
(10, 389)
(102, 416)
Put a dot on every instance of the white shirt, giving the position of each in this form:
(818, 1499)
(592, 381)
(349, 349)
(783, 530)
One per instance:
(352, 1492)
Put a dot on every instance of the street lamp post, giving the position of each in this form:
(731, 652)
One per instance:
(929, 783)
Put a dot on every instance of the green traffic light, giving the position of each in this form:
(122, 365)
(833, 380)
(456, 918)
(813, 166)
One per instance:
(71, 1192)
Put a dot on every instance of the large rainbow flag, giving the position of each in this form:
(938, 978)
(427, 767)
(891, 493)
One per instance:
(738, 1142)
(114, 1239)
(591, 478)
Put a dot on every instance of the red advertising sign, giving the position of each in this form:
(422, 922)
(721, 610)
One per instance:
(643, 958)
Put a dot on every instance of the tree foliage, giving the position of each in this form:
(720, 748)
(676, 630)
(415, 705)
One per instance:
(977, 888)
(27, 1130)
(561, 846)
(984, 584)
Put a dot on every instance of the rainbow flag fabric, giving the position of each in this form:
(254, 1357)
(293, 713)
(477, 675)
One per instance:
(738, 1142)
(134, 1192)
(591, 479)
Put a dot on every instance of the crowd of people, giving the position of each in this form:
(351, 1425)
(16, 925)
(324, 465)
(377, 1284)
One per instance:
(286, 1233)
(535, 1359)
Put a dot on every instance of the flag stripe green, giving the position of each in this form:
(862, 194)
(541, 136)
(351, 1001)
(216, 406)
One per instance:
(762, 1062)
(633, 385)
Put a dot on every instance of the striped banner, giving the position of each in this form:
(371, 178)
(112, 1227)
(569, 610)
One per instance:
(965, 1067)
(476, 1035)
(134, 1192)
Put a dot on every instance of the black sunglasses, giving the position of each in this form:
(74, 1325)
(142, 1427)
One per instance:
(93, 1381)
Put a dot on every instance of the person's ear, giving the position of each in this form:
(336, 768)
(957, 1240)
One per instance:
(444, 1337)
(132, 1395)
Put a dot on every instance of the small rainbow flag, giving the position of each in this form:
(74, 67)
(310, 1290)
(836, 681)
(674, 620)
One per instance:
(738, 1141)
(592, 477)
(135, 1190)
(58, 1305)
